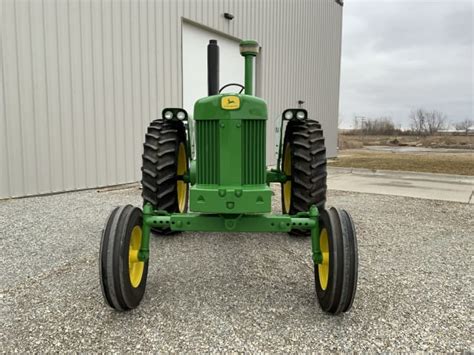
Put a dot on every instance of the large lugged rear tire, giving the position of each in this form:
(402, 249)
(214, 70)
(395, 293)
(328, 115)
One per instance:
(122, 275)
(165, 161)
(304, 159)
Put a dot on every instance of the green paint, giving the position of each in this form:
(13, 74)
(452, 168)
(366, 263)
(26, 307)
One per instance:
(230, 156)
(230, 198)
(230, 153)
(209, 108)
(238, 222)
(276, 175)
(317, 255)
(144, 252)
(228, 222)
(249, 75)
(280, 148)
(229, 182)
(249, 49)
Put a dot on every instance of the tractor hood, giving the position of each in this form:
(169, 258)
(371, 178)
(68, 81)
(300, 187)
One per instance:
(230, 107)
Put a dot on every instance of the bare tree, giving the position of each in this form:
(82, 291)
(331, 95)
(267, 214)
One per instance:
(418, 119)
(465, 124)
(435, 120)
(427, 122)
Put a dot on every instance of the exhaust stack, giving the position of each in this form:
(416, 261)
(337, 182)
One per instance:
(212, 68)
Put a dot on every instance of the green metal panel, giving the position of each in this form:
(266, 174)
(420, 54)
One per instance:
(231, 169)
(253, 152)
(231, 223)
(251, 108)
(249, 74)
(230, 199)
(207, 152)
(230, 152)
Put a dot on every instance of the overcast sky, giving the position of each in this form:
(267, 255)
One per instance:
(402, 54)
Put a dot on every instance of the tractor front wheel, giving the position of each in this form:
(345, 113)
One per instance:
(336, 276)
(123, 276)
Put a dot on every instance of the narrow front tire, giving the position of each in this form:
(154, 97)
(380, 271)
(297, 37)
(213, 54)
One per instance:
(122, 275)
(336, 276)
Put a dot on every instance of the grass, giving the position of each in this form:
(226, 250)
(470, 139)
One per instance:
(347, 141)
(442, 163)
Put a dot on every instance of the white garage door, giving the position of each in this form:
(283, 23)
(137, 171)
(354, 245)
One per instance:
(195, 41)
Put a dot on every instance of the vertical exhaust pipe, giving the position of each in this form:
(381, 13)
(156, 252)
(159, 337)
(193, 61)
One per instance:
(212, 68)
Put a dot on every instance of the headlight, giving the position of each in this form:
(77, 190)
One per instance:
(301, 115)
(168, 115)
(173, 113)
(288, 115)
(181, 115)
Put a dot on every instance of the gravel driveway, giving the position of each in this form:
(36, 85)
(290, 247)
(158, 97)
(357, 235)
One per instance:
(250, 292)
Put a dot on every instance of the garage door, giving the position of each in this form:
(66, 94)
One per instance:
(195, 41)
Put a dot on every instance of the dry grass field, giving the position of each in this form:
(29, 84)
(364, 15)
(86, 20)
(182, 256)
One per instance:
(347, 141)
(461, 163)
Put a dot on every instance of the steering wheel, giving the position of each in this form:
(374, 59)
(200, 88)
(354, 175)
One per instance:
(233, 84)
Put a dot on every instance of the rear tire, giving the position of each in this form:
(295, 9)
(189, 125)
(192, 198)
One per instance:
(304, 159)
(164, 161)
(122, 275)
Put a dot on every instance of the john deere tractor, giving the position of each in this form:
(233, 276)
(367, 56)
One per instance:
(226, 188)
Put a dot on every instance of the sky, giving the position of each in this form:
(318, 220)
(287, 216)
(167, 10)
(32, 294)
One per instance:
(399, 55)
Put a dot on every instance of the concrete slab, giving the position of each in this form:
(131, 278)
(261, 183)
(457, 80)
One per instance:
(457, 188)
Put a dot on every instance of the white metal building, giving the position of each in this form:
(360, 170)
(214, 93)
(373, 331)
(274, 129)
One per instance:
(81, 79)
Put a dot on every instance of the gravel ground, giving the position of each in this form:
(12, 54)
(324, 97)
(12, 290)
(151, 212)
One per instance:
(217, 292)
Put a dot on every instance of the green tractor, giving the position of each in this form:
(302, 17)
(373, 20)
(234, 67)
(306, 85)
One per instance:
(227, 189)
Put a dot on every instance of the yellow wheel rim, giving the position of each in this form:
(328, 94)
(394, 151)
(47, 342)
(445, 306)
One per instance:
(135, 266)
(287, 185)
(323, 268)
(181, 185)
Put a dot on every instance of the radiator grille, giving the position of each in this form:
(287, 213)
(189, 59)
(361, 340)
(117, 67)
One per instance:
(207, 146)
(253, 152)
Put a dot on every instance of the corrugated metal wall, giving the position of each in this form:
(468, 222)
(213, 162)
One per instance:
(80, 79)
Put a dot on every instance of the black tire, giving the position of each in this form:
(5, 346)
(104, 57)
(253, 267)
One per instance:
(160, 167)
(116, 282)
(337, 294)
(305, 142)
(353, 260)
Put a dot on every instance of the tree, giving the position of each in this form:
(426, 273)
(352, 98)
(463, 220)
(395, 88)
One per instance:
(427, 122)
(435, 120)
(465, 124)
(418, 119)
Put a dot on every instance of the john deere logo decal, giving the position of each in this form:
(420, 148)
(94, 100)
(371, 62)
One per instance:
(230, 102)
